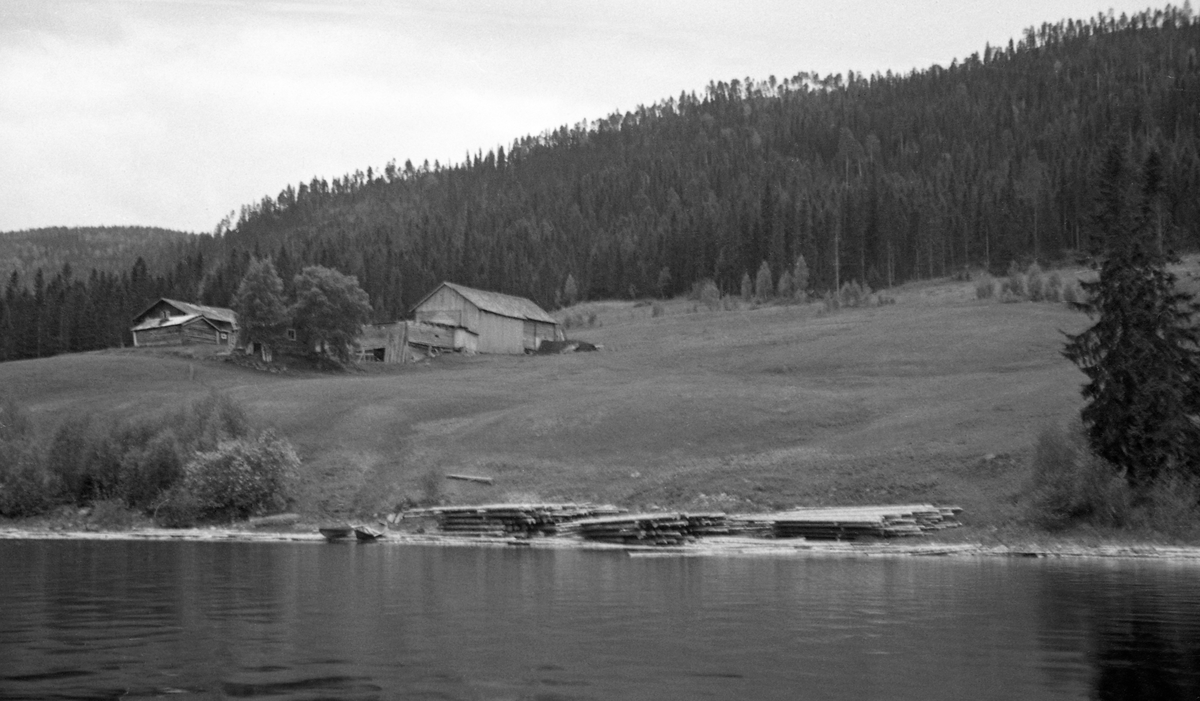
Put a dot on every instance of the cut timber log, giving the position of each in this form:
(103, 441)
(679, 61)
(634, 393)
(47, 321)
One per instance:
(470, 478)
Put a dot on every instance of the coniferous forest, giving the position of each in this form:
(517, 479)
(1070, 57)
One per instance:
(878, 179)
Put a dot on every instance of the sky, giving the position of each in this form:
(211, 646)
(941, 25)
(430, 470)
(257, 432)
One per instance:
(174, 113)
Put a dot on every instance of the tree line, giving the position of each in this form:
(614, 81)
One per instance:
(874, 179)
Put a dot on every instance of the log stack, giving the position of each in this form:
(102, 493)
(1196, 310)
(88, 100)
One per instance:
(853, 522)
(510, 520)
(709, 524)
(633, 529)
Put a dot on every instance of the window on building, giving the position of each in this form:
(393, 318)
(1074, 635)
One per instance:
(291, 334)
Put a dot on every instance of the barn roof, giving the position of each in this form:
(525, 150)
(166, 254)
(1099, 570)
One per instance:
(160, 323)
(497, 303)
(212, 313)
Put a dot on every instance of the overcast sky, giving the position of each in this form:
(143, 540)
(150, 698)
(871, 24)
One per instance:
(172, 113)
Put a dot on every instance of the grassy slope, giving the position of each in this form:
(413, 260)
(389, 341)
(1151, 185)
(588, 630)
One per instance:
(733, 410)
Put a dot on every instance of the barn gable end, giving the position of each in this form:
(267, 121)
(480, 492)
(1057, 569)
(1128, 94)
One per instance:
(500, 323)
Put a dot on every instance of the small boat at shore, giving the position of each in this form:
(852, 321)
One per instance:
(333, 533)
(367, 534)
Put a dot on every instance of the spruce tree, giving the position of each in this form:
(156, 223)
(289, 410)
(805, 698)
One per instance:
(1142, 356)
(259, 303)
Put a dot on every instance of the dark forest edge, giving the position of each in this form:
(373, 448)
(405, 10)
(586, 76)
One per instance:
(875, 179)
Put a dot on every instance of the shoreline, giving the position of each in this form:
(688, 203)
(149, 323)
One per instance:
(707, 547)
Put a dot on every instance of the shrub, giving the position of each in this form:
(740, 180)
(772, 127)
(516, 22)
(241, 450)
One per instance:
(14, 423)
(853, 295)
(1070, 293)
(23, 479)
(1170, 506)
(208, 421)
(150, 469)
(111, 515)
(706, 292)
(1035, 283)
(985, 287)
(831, 301)
(24, 483)
(177, 508)
(1014, 282)
(1054, 287)
(657, 310)
(83, 461)
(241, 477)
(1072, 486)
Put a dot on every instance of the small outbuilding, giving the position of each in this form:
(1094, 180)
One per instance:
(169, 322)
(486, 322)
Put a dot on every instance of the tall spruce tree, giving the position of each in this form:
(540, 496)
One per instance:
(1142, 356)
(259, 303)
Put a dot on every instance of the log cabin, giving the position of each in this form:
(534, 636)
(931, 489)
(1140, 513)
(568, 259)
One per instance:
(169, 322)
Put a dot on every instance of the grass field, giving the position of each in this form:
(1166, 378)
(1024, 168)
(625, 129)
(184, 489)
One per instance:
(935, 398)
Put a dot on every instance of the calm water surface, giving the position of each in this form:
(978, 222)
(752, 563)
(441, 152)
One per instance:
(130, 620)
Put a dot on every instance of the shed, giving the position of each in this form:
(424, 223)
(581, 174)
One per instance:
(491, 321)
(171, 322)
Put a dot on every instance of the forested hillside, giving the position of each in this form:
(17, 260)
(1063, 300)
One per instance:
(879, 179)
(112, 249)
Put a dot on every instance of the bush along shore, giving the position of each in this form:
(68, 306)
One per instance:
(204, 463)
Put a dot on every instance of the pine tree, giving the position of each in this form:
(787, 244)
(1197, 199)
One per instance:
(1142, 356)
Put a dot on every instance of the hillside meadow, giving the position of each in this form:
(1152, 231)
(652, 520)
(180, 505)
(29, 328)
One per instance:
(937, 397)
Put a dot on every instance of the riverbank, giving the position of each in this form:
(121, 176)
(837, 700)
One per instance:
(706, 547)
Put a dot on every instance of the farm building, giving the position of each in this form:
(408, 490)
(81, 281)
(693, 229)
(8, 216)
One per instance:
(483, 322)
(169, 322)
(384, 343)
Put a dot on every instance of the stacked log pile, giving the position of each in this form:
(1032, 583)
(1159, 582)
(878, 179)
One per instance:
(709, 524)
(852, 522)
(750, 525)
(511, 520)
(609, 524)
(633, 529)
(670, 528)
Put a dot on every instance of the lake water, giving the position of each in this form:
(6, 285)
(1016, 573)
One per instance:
(178, 620)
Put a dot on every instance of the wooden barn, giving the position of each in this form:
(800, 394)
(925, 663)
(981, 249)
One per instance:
(169, 322)
(486, 322)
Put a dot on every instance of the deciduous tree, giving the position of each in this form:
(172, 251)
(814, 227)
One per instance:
(330, 311)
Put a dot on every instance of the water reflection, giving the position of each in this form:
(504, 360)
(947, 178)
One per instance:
(1141, 624)
(306, 621)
